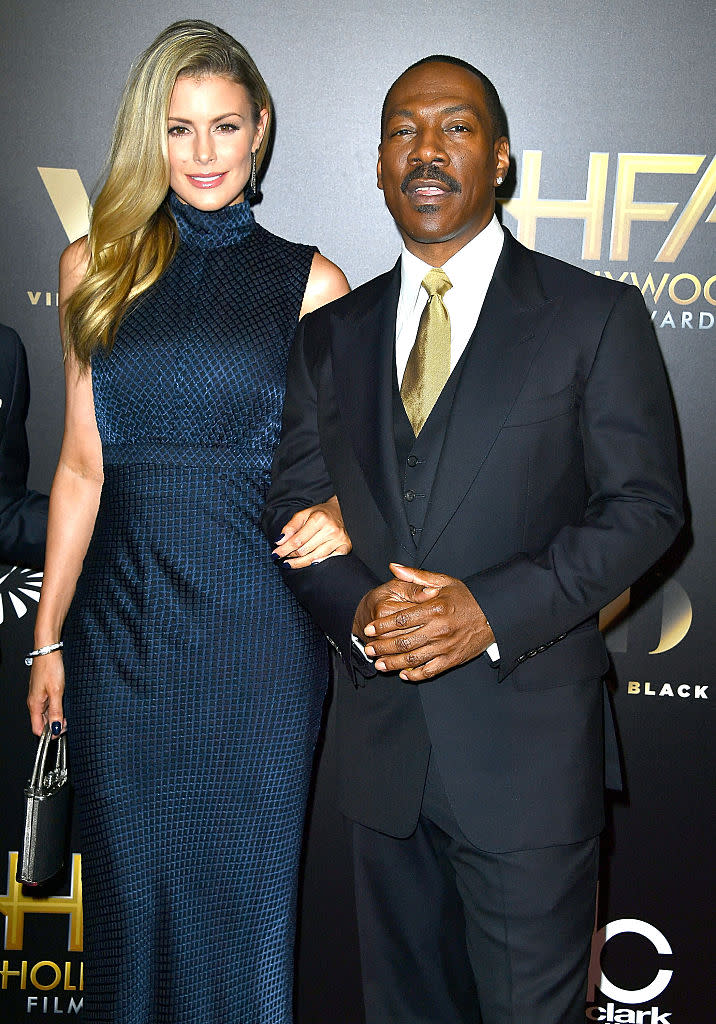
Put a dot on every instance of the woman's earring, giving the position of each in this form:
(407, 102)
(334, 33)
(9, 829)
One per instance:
(253, 173)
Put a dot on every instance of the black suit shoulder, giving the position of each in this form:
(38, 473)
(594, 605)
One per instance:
(574, 285)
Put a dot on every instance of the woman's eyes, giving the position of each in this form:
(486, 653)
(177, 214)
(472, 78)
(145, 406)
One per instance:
(227, 128)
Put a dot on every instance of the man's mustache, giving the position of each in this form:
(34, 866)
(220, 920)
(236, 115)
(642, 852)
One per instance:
(430, 172)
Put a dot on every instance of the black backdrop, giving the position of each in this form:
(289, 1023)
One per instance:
(611, 121)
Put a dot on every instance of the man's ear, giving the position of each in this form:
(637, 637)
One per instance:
(379, 170)
(502, 156)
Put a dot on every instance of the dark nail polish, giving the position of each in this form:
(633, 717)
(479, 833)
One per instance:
(56, 728)
(276, 558)
(279, 540)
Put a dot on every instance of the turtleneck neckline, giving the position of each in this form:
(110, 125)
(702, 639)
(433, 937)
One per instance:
(212, 229)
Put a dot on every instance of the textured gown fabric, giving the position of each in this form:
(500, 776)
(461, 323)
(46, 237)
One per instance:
(194, 680)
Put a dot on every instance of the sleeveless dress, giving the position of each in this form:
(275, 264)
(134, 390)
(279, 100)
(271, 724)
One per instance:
(194, 680)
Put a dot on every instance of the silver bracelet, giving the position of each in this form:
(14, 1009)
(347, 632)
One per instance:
(43, 650)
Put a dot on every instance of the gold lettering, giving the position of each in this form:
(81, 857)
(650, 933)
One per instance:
(69, 199)
(38, 984)
(633, 686)
(34, 297)
(690, 215)
(648, 689)
(7, 973)
(707, 291)
(68, 987)
(608, 274)
(691, 298)
(627, 210)
(15, 904)
(648, 285)
(614, 611)
(529, 208)
(676, 617)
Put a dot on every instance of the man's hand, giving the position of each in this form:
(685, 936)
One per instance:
(386, 601)
(443, 626)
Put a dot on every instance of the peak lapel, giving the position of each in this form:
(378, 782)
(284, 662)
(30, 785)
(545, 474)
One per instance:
(363, 350)
(511, 327)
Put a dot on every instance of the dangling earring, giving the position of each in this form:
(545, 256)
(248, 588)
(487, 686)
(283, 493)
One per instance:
(499, 180)
(253, 173)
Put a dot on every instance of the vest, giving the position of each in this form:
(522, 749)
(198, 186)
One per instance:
(418, 457)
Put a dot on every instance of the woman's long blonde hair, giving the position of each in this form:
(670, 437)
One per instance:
(133, 236)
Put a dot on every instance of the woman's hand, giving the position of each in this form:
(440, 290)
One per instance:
(47, 685)
(313, 534)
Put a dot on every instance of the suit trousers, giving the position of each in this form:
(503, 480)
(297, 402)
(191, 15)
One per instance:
(450, 934)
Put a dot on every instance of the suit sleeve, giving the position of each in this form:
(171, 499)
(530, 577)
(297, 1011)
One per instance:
(332, 589)
(634, 508)
(23, 513)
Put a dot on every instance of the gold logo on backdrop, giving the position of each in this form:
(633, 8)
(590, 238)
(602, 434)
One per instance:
(675, 615)
(529, 206)
(69, 198)
(15, 904)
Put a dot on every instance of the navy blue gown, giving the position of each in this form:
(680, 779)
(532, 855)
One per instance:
(194, 680)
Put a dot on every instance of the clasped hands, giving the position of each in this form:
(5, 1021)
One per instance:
(421, 624)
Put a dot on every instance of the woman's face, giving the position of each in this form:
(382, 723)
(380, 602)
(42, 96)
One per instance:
(211, 135)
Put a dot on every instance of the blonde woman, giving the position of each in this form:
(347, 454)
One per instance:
(194, 681)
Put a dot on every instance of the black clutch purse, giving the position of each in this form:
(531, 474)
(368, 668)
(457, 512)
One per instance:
(47, 811)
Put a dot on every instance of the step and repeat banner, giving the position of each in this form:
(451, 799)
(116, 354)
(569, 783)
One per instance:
(610, 110)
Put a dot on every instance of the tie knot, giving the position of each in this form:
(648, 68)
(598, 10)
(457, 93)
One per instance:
(436, 282)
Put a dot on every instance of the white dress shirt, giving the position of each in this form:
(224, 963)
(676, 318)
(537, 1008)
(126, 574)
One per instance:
(470, 271)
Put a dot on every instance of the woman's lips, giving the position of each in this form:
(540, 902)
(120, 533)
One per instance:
(206, 180)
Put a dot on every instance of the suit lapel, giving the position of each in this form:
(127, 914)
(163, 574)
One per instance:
(363, 348)
(511, 328)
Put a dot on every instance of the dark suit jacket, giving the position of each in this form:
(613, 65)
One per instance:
(557, 487)
(23, 513)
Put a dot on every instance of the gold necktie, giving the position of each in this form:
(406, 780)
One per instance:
(428, 366)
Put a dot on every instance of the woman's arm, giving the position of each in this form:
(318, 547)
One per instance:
(74, 500)
(316, 533)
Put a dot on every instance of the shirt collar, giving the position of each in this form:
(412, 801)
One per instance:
(478, 256)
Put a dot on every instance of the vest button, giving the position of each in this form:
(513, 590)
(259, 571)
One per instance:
(413, 531)
(412, 460)
(409, 495)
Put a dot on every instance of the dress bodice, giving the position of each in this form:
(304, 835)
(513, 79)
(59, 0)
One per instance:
(197, 371)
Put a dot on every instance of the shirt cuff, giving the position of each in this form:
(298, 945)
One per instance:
(361, 647)
(493, 651)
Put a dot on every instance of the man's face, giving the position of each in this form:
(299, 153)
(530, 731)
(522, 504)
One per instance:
(437, 161)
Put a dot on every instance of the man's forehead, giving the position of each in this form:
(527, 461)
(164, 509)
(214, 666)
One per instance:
(435, 83)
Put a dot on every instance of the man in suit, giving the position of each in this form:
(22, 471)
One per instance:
(495, 501)
(23, 513)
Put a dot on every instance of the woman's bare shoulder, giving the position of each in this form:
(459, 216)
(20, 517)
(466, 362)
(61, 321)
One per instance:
(73, 265)
(325, 283)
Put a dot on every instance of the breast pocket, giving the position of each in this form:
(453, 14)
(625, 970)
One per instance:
(544, 407)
